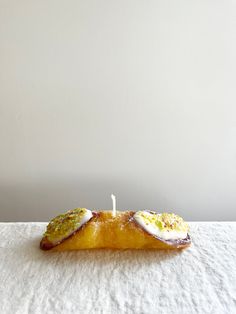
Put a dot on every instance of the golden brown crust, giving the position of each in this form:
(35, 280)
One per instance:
(106, 231)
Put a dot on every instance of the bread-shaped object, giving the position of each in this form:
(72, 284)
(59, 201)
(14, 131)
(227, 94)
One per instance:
(84, 229)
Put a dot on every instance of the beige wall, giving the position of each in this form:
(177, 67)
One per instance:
(131, 97)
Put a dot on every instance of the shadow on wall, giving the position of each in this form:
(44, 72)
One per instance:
(40, 201)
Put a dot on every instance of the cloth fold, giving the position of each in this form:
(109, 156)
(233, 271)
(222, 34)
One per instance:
(200, 279)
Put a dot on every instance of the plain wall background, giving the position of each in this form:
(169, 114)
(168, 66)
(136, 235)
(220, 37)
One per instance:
(135, 98)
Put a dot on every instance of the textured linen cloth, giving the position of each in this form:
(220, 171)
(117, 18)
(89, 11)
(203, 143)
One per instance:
(200, 279)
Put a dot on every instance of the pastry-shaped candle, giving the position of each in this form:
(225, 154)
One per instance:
(82, 228)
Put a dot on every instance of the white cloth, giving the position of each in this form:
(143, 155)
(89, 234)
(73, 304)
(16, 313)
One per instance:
(200, 279)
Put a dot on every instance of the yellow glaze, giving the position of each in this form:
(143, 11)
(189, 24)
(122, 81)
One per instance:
(106, 231)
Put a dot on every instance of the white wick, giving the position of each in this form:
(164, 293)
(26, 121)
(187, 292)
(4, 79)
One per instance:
(113, 205)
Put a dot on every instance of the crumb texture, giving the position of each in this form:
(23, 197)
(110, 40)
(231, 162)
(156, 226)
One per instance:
(200, 279)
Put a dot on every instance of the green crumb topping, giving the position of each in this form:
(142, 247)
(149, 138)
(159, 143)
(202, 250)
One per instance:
(62, 226)
(165, 221)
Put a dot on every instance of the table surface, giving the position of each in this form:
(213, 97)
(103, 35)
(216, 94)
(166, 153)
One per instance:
(200, 279)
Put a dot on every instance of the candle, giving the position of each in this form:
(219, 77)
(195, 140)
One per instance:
(113, 205)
